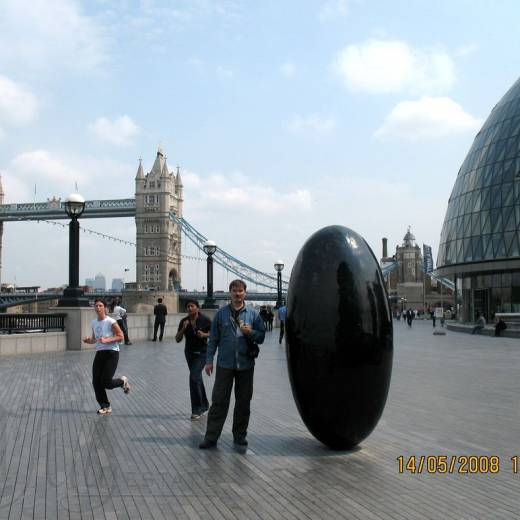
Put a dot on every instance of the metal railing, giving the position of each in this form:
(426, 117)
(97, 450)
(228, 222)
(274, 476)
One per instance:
(38, 322)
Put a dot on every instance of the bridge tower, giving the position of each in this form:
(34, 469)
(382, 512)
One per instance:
(158, 238)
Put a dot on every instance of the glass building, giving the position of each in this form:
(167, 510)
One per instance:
(480, 239)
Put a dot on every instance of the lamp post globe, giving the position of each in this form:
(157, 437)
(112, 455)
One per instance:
(278, 266)
(74, 205)
(209, 248)
(73, 294)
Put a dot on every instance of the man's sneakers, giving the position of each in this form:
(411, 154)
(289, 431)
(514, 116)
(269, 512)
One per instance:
(104, 411)
(198, 415)
(126, 386)
(207, 444)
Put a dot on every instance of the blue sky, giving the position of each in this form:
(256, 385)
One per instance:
(283, 116)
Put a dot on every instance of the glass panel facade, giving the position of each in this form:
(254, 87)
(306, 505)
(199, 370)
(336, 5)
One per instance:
(483, 217)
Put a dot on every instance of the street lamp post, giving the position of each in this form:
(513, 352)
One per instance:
(279, 265)
(73, 294)
(209, 248)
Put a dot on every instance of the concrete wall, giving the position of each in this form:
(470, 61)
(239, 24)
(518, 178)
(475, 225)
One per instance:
(140, 326)
(11, 344)
(78, 325)
(144, 301)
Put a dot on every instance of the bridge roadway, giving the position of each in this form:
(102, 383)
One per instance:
(12, 299)
(54, 210)
(450, 395)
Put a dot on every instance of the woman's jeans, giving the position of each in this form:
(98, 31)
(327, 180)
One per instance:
(196, 362)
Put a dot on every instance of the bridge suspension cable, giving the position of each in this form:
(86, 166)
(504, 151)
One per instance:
(109, 237)
(228, 261)
(224, 259)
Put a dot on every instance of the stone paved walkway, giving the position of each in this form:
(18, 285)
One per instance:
(450, 395)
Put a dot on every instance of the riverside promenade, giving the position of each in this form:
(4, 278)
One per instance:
(455, 395)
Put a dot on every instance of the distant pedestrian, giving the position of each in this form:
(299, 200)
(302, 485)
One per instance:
(106, 335)
(282, 314)
(481, 323)
(409, 317)
(195, 330)
(160, 311)
(500, 326)
(270, 319)
(120, 316)
(433, 317)
(265, 317)
(234, 326)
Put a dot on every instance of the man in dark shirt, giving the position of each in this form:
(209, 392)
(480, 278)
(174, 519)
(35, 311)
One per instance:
(195, 329)
(160, 312)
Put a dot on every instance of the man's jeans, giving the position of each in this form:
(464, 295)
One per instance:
(196, 362)
(158, 324)
(224, 378)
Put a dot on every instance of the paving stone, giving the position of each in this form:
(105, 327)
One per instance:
(452, 395)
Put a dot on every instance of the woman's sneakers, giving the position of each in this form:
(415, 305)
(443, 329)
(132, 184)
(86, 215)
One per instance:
(126, 386)
(104, 411)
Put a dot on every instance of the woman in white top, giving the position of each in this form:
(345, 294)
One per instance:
(106, 335)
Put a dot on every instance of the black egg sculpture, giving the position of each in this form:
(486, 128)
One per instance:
(339, 337)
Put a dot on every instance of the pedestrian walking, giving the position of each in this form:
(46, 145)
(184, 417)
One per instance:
(282, 314)
(120, 316)
(160, 311)
(106, 335)
(194, 328)
(409, 317)
(233, 327)
(270, 318)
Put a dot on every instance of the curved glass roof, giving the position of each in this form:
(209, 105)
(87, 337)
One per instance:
(482, 222)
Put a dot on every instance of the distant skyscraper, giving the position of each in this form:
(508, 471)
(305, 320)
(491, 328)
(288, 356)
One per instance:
(117, 284)
(100, 282)
(90, 282)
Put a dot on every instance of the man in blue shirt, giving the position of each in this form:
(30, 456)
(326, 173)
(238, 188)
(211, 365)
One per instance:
(282, 314)
(230, 328)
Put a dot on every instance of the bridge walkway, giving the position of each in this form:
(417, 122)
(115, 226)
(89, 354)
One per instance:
(450, 395)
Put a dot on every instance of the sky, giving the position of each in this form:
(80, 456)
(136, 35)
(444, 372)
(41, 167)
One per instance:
(284, 117)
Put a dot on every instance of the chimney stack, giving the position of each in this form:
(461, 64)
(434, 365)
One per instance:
(385, 249)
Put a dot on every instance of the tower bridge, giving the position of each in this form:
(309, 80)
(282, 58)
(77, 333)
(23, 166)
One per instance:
(158, 212)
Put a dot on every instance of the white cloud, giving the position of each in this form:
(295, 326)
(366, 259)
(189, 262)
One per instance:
(466, 50)
(236, 192)
(120, 131)
(429, 117)
(288, 69)
(17, 104)
(314, 123)
(42, 166)
(43, 35)
(223, 72)
(57, 174)
(384, 66)
(332, 9)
